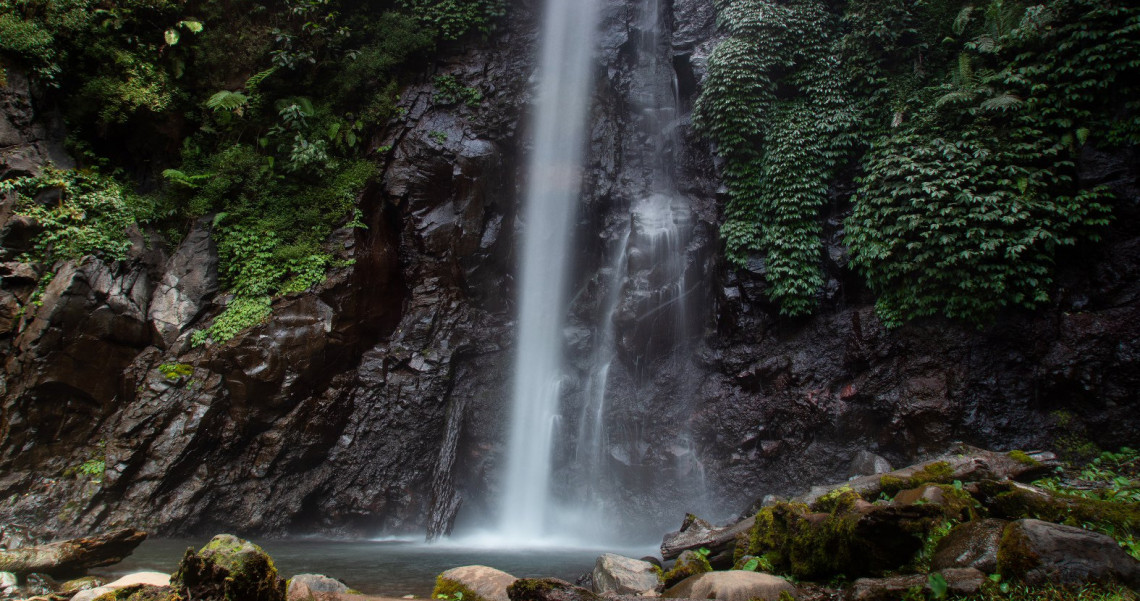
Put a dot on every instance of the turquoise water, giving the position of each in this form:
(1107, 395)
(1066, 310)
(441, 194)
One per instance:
(390, 567)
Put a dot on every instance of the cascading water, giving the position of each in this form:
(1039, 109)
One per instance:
(645, 289)
(641, 314)
(552, 195)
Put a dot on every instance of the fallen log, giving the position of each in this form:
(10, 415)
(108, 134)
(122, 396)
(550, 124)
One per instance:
(72, 557)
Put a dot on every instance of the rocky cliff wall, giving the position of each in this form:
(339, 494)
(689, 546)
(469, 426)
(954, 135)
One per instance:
(376, 403)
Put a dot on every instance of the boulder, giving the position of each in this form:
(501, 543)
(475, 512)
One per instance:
(9, 584)
(733, 585)
(690, 563)
(959, 581)
(72, 557)
(141, 592)
(229, 568)
(866, 463)
(625, 576)
(478, 582)
(962, 462)
(548, 589)
(696, 533)
(306, 587)
(190, 280)
(1042, 552)
(970, 545)
(153, 579)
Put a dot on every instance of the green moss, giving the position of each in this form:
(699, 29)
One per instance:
(993, 591)
(1014, 558)
(1023, 458)
(141, 593)
(174, 371)
(837, 501)
(689, 564)
(446, 588)
(229, 568)
(1010, 502)
(938, 472)
(536, 589)
(804, 545)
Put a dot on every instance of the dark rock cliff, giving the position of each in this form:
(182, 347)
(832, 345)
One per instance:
(376, 403)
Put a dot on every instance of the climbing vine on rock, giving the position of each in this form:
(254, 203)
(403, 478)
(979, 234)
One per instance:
(964, 121)
(776, 107)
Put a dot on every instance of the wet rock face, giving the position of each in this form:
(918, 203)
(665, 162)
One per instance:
(377, 402)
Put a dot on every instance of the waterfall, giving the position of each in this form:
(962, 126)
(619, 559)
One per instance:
(552, 195)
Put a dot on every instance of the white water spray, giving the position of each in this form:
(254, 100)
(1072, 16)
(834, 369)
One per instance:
(552, 195)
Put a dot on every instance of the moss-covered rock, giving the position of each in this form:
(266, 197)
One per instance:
(690, 563)
(853, 540)
(938, 472)
(1023, 458)
(839, 500)
(548, 589)
(142, 592)
(475, 583)
(954, 503)
(1038, 552)
(229, 569)
(1013, 501)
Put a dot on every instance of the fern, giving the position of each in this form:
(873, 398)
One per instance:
(1003, 102)
(228, 101)
(255, 80)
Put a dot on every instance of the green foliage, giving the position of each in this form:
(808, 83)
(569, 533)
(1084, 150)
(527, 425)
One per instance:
(451, 590)
(81, 213)
(937, 585)
(241, 313)
(963, 208)
(448, 90)
(452, 19)
(1004, 591)
(775, 105)
(965, 121)
(1109, 487)
(938, 472)
(175, 371)
(689, 564)
(961, 226)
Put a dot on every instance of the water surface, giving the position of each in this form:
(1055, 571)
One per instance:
(391, 568)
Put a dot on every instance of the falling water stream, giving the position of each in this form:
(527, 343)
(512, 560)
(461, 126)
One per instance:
(552, 196)
(644, 276)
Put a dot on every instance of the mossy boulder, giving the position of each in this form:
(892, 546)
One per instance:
(229, 569)
(142, 592)
(548, 589)
(690, 563)
(954, 503)
(476, 583)
(860, 540)
(1011, 500)
(959, 581)
(1039, 552)
(970, 545)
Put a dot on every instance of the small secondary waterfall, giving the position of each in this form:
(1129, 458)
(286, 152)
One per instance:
(551, 198)
(645, 287)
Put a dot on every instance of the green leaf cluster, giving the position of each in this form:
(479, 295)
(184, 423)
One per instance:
(775, 105)
(80, 213)
(962, 122)
(452, 19)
